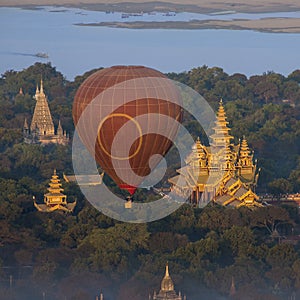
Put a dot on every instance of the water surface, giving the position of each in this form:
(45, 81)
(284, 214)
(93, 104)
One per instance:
(76, 49)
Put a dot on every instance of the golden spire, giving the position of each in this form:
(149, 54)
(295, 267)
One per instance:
(59, 129)
(37, 91)
(167, 271)
(42, 117)
(167, 283)
(221, 137)
(25, 124)
(55, 199)
(232, 288)
(42, 88)
(55, 185)
(221, 114)
(244, 148)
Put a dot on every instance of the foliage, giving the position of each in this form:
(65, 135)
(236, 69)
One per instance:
(74, 255)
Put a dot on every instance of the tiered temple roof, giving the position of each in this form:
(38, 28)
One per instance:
(222, 172)
(221, 129)
(55, 199)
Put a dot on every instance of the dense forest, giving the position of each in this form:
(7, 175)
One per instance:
(64, 256)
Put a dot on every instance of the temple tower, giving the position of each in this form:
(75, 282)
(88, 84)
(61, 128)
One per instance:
(222, 172)
(245, 164)
(42, 117)
(55, 195)
(25, 128)
(199, 158)
(59, 130)
(42, 128)
(221, 136)
(167, 291)
(55, 199)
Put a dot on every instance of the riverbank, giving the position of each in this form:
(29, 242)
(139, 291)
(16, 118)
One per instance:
(274, 25)
(197, 6)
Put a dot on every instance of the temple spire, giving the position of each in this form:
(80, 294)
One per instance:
(42, 87)
(167, 290)
(37, 91)
(167, 283)
(167, 271)
(244, 148)
(42, 129)
(42, 117)
(221, 136)
(25, 124)
(232, 291)
(55, 199)
(59, 129)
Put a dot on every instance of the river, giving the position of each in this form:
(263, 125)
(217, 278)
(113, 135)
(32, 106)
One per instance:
(74, 50)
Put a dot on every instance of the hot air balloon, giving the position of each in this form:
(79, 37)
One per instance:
(134, 111)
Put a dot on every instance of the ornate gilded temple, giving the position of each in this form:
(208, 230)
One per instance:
(42, 129)
(222, 172)
(55, 199)
(167, 291)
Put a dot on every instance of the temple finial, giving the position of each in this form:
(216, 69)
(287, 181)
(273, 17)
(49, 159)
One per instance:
(167, 270)
(25, 124)
(232, 291)
(37, 91)
(60, 131)
(42, 87)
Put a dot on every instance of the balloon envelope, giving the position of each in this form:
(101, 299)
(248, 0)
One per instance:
(134, 112)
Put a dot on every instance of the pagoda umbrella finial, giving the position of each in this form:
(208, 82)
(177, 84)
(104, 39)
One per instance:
(42, 86)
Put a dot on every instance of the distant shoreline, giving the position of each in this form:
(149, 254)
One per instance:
(273, 25)
(133, 6)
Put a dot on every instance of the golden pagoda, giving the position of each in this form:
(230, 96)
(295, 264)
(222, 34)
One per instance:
(222, 172)
(167, 291)
(55, 199)
(42, 127)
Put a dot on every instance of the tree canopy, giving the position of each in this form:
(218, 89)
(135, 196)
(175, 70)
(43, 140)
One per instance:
(76, 255)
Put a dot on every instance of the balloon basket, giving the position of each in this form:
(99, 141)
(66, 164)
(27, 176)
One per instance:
(128, 203)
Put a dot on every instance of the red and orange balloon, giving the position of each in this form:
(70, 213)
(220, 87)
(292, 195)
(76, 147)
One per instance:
(124, 94)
